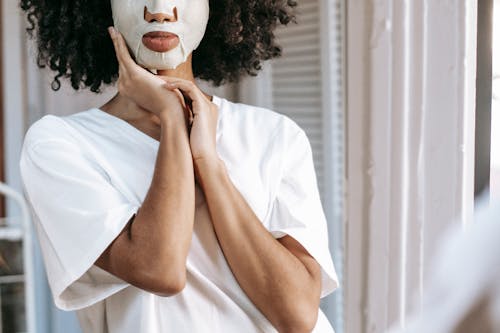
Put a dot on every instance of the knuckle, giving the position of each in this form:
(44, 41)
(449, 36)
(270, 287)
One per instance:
(123, 83)
(214, 109)
(127, 84)
(134, 76)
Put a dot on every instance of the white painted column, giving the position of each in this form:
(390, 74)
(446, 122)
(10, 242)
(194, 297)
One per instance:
(410, 147)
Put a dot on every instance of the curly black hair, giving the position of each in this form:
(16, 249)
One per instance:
(73, 40)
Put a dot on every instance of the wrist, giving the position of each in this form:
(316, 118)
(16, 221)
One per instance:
(170, 120)
(174, 132)
(168, 117)
(212, 167)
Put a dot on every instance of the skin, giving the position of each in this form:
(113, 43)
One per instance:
(278, 275)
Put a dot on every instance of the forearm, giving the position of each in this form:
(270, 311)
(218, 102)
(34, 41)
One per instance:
(164, 223)
(151, 253)
(274, 279)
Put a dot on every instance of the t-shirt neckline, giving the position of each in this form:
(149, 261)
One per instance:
(129, 127)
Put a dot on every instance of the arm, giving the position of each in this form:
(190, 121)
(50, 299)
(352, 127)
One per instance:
(279, 276)
(151, 251)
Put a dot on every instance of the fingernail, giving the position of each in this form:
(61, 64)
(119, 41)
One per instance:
(111, 31)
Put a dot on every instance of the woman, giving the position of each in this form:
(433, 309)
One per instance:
(166, 209)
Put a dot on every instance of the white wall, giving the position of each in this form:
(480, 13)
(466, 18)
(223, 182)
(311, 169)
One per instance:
(410, 109)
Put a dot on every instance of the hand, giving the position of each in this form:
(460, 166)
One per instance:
(143, 87)
(204, 115)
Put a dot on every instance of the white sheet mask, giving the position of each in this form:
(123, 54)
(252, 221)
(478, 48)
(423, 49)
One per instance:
(192, 17)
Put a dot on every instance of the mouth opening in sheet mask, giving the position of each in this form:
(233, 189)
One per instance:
(161, 34)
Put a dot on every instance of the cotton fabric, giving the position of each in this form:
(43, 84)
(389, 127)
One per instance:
(85, 175)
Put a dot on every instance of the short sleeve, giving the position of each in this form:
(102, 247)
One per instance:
(77, 213)
(297, 211)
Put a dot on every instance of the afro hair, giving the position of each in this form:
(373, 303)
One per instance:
(73, 41)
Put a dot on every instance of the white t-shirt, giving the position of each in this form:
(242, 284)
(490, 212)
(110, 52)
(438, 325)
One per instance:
(86, 174)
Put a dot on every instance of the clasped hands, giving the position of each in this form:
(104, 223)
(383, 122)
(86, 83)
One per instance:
(171, 99)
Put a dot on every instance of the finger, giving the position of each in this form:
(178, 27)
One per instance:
(121, 50)
(114, 39)
(186, 101)
(146, 69)
(188, 88)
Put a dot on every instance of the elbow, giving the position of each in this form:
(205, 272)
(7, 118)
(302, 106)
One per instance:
(162, 283)
(300, 321)
(170, 282)
(296, 326)
(170, 286)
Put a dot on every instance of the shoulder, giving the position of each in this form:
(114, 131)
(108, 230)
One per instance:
(263, 122)
(54, 128)
(45, 141)
(49, 127)
(51, 140)
(51, 144)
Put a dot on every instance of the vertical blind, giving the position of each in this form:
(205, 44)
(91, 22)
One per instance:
(297, 80)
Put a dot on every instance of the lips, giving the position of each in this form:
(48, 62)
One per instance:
(160, 41)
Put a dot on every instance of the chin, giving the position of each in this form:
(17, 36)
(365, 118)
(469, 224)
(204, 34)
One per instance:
(161, 61)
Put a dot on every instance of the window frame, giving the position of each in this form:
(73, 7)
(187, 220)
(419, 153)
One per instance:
(2, 144)
(483, 97)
